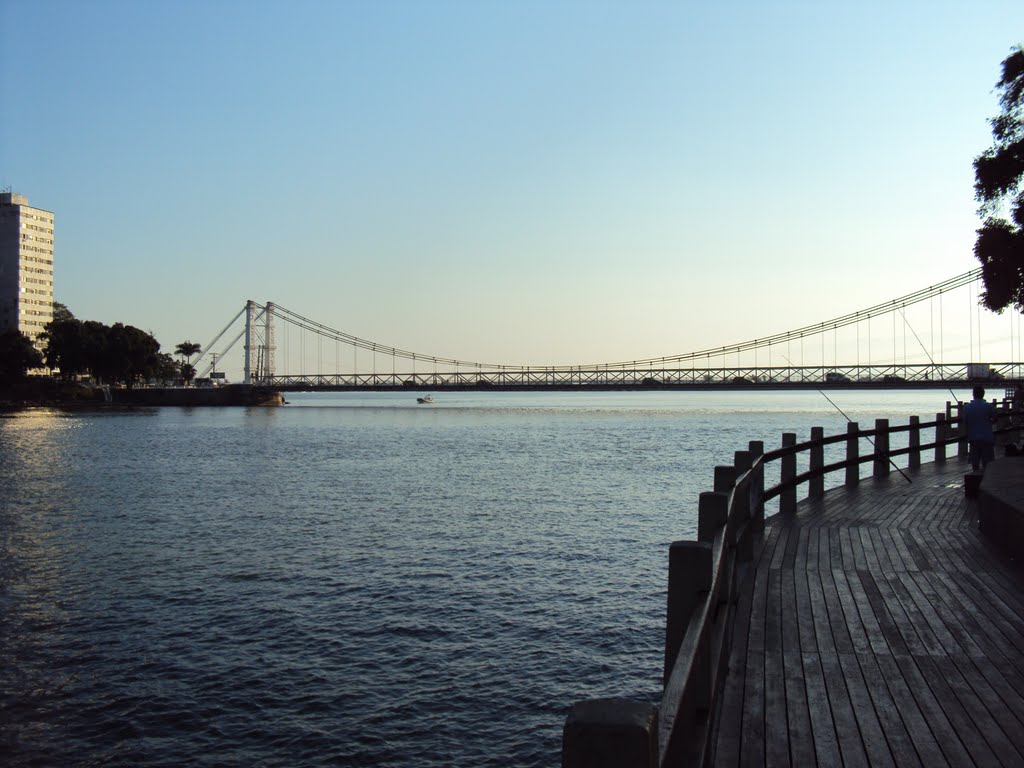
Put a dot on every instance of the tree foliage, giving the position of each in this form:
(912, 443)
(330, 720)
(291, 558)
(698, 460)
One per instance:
(61, 312)
(17, 355)
(117, 354)
(999, 188)
(188, 348)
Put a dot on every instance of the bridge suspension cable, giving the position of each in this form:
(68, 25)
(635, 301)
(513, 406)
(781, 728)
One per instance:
(923, 294)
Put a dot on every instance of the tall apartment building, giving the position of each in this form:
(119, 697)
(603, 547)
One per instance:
(26, 266)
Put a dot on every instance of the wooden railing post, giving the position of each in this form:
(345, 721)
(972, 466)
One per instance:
(689, 579)
(914, 457)
(712, 514)
(881, 448)
(743, 461)
(852, 453)
(725, 478)
(816, 485)
(744, 537)
(610, 732)
(940, 438)
(757, 487)
(787, 471)
(961, 430)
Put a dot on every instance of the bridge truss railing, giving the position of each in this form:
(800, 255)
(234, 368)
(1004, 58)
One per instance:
(929, 374)
(705, 576)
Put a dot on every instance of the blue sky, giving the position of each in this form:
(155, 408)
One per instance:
(527, 182)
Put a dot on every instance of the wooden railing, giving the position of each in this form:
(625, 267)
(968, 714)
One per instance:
(703, 580)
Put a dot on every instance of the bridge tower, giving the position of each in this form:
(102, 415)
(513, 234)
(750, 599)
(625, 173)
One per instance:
(259, 343)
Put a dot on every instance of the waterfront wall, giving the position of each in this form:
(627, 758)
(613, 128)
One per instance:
(232, 394)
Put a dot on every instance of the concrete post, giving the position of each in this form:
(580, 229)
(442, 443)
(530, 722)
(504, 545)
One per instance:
(610, 733)
(881, 464)
(816, 485)
(852, 453)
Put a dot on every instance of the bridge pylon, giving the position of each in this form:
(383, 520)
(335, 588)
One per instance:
(259, 343)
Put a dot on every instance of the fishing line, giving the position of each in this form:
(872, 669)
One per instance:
(850, 421)
(925, 350)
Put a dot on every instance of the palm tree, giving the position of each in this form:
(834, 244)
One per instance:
(188, 348)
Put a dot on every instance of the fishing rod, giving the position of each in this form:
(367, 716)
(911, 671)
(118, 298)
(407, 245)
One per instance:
(925, 350)
(850, 421)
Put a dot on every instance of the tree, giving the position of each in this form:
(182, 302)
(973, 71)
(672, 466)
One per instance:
(109, 354)
(17, 355)
(166, 368)
(61, 312)
(188, 348)
(66, 348)
(188, 373)
(131, 355)
(999, 188)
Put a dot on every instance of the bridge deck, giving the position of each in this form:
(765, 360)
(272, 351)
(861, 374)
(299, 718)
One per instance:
(878, 628)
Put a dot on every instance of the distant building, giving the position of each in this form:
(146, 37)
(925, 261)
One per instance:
(26, 266)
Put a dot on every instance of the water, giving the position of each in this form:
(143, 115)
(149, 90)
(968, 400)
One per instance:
(353, 579)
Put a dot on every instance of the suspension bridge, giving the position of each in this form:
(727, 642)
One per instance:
(879, 346)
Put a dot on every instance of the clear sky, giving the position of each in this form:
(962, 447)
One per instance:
(517, 182)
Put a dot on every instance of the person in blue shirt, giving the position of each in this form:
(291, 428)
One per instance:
(981, 442)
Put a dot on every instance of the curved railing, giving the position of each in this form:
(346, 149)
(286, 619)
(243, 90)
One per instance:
(703, 581)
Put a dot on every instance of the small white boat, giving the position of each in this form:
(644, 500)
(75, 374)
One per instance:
(425, 400)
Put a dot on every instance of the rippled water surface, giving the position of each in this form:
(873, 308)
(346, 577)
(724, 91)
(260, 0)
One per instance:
(352, 579)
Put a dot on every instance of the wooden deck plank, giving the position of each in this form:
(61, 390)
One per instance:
(791, 620)
(883, 538)
(869, 620)
(819, 614)
(730, 716)
(1003, 696)
(882, 629)
(804, 612)
(983, 710)
(871, 560)
(894, 723)
(823, 732)
(961, 627)
(777, 729)
(974, 744)
(925, 739)
(838, 620)
(801, 741)
(873, 737)
(889, 622)
(844, 717)
(753, 709)
(851, 614)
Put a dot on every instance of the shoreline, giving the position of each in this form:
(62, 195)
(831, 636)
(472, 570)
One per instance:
(47, 393)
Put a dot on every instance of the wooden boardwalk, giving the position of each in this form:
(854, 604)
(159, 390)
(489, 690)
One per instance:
(878, 628)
